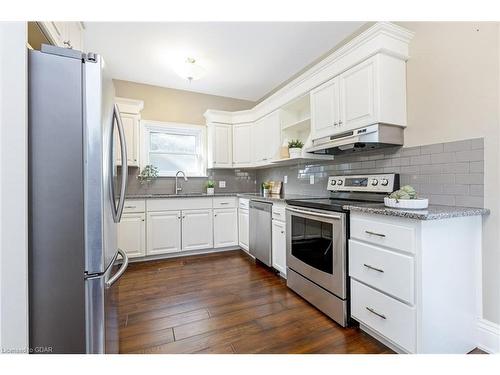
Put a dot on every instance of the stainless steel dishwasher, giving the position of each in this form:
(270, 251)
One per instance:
(261, 231)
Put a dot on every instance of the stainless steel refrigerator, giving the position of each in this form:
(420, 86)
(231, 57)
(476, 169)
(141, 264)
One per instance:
(76, 199)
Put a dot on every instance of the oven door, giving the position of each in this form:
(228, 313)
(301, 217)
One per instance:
(316, 247)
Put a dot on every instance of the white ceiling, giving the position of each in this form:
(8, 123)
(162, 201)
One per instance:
(242, 60)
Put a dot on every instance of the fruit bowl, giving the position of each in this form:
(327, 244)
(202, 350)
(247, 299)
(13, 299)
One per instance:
(410, 204)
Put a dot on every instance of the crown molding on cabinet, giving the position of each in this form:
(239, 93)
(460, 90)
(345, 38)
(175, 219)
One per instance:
(127, 105)
(383, 37)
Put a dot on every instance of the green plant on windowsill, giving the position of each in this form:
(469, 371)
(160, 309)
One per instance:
(210, 184)
(148, 174)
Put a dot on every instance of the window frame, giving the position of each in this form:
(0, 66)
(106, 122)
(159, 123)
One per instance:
(148, 126)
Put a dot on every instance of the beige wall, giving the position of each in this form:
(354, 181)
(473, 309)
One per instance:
(453, 94)
(165, 104)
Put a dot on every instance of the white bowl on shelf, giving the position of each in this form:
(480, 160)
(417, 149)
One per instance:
(409, 204)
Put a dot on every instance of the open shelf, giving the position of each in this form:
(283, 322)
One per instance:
(298, 126)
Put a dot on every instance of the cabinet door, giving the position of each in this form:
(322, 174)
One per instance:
(223, 146)
(131, 234)
(197, 231)
(225, 227)
(74, 35)
(272, 135)
(325, 109)
(242, 144)
(258, 141)
(163, 232)
(243, 228)
(279, 246)
(357, 95)
(131, 127)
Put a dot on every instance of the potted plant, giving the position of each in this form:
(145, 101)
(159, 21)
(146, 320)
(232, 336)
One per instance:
(210, 187)
(266, 188)
(295, 148)
(148, 174)
(407, 198)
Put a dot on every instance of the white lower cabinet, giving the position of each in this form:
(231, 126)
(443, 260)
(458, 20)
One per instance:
(413, 285)
(197, 229)
(131, 234)
(279, 246)
(243, 228)
(164, 232)
(225, 227)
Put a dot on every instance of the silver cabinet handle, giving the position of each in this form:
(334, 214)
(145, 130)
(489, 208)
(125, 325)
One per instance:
(335, 123)
(282, 231)
(129, 206)
(340, 122)
(373, 268)
(120, 272)
(276, 213)
(221, 203)
(376, 313)
(374, 233)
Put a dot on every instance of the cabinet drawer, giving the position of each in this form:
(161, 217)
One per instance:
(179, 204)
(278, 212)
(244, 203)
(134, 205)
(392, 319)
(385, 270)
(383, 233)
(225, 202)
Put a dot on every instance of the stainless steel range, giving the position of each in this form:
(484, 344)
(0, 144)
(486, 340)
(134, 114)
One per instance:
(317, 238)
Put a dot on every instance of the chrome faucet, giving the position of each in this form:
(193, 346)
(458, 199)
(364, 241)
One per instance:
(177, 187)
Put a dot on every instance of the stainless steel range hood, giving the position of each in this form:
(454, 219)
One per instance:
(362, 139)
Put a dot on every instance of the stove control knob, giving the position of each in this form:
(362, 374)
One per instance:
(339, 182)
(374, 182)
(333, 182)
(385, 182)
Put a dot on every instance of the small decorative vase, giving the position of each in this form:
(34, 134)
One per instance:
(295, 152)
(210, 191)
(265, 192)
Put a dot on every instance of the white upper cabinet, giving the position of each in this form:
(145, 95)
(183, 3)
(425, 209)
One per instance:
(266, 138)
(64, 34)
(130, 110)
(220, 146)
(325, 109)
(242, 145)
(357, 95)
(131, 127)
(373, 91)
(360, 84)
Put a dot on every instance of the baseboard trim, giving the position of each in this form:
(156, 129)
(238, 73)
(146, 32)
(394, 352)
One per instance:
(488, 336)
(183, 254)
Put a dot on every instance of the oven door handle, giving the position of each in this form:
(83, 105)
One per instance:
(315, 213)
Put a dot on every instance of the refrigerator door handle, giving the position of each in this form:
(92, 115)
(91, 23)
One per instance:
(120, 272)
(117, 215)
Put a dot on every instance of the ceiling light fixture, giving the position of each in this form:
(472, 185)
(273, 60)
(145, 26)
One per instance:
(190, 70)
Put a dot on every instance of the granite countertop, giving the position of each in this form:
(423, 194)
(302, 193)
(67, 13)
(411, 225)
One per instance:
(433, 212)
(186, 195)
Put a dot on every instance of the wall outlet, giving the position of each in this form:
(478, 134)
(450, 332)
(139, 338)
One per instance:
(222, 184)
(311, 179)
(285, 179)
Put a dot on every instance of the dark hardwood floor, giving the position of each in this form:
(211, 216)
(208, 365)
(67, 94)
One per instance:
(224, 303)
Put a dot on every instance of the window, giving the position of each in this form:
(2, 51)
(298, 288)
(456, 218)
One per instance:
(175, 147)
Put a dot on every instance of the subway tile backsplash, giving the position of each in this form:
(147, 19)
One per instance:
(237, 181)
(449, 173)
